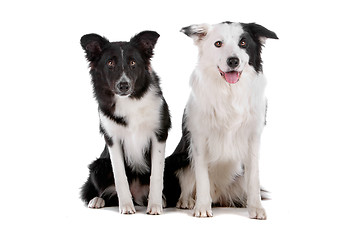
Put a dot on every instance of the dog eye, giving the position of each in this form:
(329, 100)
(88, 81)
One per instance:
(132, 63)
(242, 43)
(111, 63)
(218, 44)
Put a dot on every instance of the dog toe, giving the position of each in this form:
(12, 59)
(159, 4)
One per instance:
(96, 202)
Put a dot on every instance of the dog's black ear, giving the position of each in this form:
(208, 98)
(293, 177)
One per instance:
(259, 32)
(93, 45)
(197, 32)
(145, 42)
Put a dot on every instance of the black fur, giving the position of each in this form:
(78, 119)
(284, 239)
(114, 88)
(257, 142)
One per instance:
(179, 159)
(162, 132)
(107, 138)
(253, 33)
(108, 63)
(101, 178)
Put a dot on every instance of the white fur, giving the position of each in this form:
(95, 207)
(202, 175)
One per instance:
(143, 118)
(225, 121)
(96, 202)
(156, 178)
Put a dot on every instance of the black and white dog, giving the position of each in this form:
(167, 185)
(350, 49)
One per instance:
(134, 119)
(216, 161)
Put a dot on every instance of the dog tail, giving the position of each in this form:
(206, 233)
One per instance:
(175, 162)
(172, 188)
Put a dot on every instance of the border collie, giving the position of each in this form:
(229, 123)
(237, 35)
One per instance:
(216, 161)
(134, 120)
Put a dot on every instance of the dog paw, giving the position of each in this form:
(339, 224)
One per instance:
(203, 210)
(257, 213)
(96, 202)
(127, 208)
(154, 209)
(188, 203)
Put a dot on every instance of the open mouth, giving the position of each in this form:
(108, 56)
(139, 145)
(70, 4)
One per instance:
(231, 77)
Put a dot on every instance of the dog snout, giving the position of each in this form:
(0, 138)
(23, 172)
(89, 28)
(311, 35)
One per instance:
(123, 87)
(233, 62)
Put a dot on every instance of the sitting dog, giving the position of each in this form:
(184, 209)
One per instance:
(134, 120)
(217, 159)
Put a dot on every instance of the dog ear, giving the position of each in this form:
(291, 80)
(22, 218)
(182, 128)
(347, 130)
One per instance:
(145, 42)
(93, 45)
(197, 32)
(259, 32)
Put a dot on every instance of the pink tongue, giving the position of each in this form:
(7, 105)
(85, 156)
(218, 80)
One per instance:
(232, 77)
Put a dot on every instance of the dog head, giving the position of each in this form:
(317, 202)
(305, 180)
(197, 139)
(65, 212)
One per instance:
(120, 68)
(229, 48)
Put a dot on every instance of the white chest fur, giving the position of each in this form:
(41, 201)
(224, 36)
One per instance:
(226, 115)
(142, 117)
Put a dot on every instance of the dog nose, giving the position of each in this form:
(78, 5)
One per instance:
(233, 62)
(123, 87)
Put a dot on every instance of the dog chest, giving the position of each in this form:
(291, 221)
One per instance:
(225, 124)
(142, 118)
(227, 145)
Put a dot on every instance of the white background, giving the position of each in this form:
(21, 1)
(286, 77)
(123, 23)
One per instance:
(49, 124)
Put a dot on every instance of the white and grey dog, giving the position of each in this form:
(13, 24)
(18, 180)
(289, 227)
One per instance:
(217, 159)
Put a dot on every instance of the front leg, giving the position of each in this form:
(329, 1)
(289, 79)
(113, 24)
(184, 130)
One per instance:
(156, 178)
(255, 209)
(203, 197)
(126, 204)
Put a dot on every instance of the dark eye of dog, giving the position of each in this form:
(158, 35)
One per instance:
(242, 43)
(111, 63)
(218, 44)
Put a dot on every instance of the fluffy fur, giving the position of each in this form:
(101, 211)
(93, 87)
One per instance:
(134, 119)
(216, 161)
